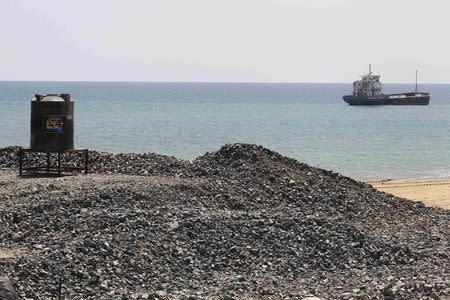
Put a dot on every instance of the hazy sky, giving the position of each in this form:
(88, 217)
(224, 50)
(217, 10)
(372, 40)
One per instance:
(224, 40)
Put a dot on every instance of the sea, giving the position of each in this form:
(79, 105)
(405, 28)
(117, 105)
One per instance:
(306, 121)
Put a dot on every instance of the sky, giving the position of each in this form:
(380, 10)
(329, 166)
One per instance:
(224, 40)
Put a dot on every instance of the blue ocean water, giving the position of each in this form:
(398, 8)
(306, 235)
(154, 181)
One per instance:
(309, 122)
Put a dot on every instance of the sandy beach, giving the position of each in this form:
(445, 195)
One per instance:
(430, 192)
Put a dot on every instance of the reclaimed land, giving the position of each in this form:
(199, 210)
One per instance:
(240, 223)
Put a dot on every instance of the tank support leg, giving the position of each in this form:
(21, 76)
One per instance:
(48, 162)
(20, 161)
(59, 163)
(86, 157)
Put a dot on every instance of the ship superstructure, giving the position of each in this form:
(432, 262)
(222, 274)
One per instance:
(369, 85)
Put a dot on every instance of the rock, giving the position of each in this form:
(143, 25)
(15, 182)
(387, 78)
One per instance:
(345, 296)
(7, 291)
(161, 294)
(173, 225)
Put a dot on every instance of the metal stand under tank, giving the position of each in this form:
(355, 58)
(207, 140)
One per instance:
(48, 168)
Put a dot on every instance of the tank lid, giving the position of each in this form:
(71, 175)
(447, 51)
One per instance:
(52, 98)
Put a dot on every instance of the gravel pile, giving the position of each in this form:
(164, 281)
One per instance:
(242, 222)
(101, 162)
(8, 157)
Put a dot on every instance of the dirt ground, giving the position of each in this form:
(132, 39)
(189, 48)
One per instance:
(430, 192)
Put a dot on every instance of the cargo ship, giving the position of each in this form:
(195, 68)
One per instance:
(367, 91)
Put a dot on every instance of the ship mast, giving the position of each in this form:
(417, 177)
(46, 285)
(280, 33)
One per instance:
(416, 81)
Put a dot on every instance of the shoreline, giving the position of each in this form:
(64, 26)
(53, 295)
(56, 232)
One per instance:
(432, 192)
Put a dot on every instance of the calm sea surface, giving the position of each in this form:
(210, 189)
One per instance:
(309, 122)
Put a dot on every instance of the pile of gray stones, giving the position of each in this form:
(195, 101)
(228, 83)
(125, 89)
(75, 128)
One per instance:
(240, 223)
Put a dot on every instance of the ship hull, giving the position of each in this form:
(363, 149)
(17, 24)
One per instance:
(389, 99)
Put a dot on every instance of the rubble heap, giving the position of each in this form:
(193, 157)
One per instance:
(242, 222)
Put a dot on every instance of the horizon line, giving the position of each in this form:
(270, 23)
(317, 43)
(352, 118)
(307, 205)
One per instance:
(225, 82)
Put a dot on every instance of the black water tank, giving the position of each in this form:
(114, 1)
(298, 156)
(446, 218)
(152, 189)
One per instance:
(51, 123)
